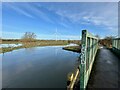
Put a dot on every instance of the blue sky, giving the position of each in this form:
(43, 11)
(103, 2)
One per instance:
(66, 20)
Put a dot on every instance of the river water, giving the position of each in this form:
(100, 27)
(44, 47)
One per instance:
(38, 67)
(9, 45)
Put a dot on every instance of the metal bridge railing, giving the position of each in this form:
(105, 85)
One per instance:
(88, 52)
(116, 43)
(116, 46)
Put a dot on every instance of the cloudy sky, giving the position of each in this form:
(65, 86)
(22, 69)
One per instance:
(66, 20)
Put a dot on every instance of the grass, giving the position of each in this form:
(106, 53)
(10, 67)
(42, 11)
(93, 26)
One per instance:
(8, 49)
(73, 48)
(18, 41)
(36, 43)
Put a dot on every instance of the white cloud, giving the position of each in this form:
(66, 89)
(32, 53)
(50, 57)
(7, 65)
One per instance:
(29, 10)
(98, 14)
(64, 24)
(19, 10)
(38, 12)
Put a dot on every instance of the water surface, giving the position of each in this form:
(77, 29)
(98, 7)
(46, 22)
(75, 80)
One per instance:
(38, 67)
(9, 45)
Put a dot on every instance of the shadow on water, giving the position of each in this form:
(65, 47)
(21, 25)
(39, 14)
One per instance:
(105, 72)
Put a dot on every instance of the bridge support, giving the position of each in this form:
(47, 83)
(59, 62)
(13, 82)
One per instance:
(88, 51)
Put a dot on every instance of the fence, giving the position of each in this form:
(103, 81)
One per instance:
(88, 51)
(116, 46)
(116, 43)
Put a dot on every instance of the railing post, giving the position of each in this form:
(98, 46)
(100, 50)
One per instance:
(83, 59)
(116, 46)
(88, 51)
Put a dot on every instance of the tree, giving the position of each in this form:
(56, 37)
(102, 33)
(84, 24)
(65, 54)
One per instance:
(69, 41)
(97, 36)
(0, 40)
(29, 37)
(107, 41)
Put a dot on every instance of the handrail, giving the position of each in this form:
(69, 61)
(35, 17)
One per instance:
(116, 43)
(73, 81)
(88, 51)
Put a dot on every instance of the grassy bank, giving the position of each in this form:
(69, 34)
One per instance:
(8, 49)
(36, 43)
(73, 48)
(69, 48)
(51, 42)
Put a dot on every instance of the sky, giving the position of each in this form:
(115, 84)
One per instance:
(60, 20)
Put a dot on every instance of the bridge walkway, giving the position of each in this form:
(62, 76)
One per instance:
(105, 72)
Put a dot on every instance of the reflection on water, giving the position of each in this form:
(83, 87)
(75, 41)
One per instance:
(9, 45)
(38, 67)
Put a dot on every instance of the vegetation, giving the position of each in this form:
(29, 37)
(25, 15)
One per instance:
(97, 36)
(73, 48)
(8, 49)
(11, 41)
(29, 40)
(107, 41)
(31, 44)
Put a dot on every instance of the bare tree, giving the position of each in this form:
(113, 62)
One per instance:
(29, 37)
(97, 36)
(0, 40)
(107, 41)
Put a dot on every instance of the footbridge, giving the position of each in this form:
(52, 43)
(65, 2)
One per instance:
(90, 49)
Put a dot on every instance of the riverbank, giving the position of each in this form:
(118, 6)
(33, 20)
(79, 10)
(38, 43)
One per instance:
(8, 49)
(35, 43)
(19, 41)
(73, 48)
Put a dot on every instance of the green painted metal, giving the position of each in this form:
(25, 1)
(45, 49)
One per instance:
(116, 46)
(116, 43)
(88, 51)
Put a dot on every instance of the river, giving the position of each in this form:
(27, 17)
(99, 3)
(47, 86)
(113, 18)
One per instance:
(38, 67)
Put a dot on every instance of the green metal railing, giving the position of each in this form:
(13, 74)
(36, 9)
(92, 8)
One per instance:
(116, 43)
(88, 51)
(116, 46)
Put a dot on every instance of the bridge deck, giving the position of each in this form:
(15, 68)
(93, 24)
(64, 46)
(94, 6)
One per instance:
(105, 71)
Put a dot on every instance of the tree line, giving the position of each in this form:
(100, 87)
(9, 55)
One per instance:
(30, 37)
